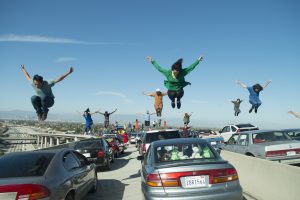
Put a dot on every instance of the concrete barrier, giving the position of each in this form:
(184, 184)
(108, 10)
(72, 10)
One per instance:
(265, 180)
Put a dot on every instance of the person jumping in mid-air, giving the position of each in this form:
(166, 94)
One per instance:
(237, 104)
(175, 79)
(295, 114)
(186, 118)
(88, 120)
(254, 94)
(44, 98)
(158, 101)
(106, 117)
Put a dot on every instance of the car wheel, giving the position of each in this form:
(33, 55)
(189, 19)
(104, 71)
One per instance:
(112, 158)
(122, 151)
(69, 197)
(95, 184)
(107, 167)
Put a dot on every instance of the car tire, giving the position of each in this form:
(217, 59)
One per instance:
(107, 166)
(95, 184)
(70, 196)
(112, 158)
(117, 154)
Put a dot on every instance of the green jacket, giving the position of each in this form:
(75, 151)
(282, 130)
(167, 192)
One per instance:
(179, 83)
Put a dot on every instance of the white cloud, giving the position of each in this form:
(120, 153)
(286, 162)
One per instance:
(123, 96)
(65, 59)
(46, 39)
(199, 102)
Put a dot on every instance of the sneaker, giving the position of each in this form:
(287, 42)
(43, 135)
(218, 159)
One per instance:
(255, 110)
(40, 116)
(178, 104)
(173, 104)
(44, 116)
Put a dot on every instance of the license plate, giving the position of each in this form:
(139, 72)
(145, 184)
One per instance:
(291, 153)
(8, 196)
(87, 155)
(195, 181)
(213, 143)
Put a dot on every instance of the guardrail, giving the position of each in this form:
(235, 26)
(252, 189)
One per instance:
(265, 180)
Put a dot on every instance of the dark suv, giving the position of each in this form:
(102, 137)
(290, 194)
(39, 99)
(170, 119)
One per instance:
(95, 150)
(151, 136)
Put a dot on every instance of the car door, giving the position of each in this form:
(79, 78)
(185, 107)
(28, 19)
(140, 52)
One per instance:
(242, 144)
(226, 133)
(145, 167)
(231, 143)
(76, 174)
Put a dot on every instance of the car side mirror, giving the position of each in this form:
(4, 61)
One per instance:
(140, 158)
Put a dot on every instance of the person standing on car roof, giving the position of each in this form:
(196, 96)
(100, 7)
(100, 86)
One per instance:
(158, 100)
(44, 98)
(88, 120)
(254, 94)
(175, 79)
(237, 104)
(106, 117)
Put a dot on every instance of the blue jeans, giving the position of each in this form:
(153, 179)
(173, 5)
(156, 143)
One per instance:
(41, 105)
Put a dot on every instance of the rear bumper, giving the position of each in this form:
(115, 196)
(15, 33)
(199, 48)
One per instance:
(287, 161)
(100, 162)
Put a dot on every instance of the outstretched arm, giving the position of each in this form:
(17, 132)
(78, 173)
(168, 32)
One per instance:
(192, 66)
(295, 114)
(148, 94)
(159, 68)
(64, 75)
(241, 84)
(267, 83)
(97, 111)
(113, 111)
(25, 73)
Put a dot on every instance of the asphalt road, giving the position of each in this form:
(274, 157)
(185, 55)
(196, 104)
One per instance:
(122, 181)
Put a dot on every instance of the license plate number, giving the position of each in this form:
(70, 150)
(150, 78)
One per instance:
(8, 196)
(290, 153)
(213, 143)
(87, 155)
(195, 181)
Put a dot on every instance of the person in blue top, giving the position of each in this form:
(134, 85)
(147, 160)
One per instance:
(254, 94)
(44, 98)
(88, 120)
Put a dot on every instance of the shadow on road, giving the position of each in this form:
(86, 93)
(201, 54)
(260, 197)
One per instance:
(108, 189)
(136, 175)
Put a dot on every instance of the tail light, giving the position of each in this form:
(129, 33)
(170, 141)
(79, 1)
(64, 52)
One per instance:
(100, 153)
(143, 148)
(238, 131)
(173, 179)
(26, 191)
(281, 152)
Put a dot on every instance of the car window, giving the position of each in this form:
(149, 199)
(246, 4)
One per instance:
(150, 137)
(105, 144)
(245, 125)
(147, 156)
(70, 162)
(24, 165)
(233, 139)
(224, 129)
(233, 129)
(176, 152)
(270, 137)
(243, 140)
(88, 144)
(81, 158)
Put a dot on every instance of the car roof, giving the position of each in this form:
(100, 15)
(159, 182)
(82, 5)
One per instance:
(257, 131)
(161, 130)
(39, 151)
(291, 129)
(178, 141)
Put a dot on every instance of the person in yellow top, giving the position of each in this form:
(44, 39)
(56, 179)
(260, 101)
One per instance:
(158, 100)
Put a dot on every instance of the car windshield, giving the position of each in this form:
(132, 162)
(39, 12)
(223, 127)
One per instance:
(24, 165)
(110, 139)
(133, 134)
(150, 137)
(87, 144)
(176, 152)
(270, 137)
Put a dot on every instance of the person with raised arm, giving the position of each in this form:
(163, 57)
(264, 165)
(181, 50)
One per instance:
(106, 115)
(158, 100)
(186, 118)
(88, 120)
(237, 104)
(175, 78)
(44, 98)
(254, 94)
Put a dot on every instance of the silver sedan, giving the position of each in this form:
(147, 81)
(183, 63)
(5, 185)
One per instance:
(187, 168)
(61, 174)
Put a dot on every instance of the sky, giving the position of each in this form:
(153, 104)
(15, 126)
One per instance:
(107, 43)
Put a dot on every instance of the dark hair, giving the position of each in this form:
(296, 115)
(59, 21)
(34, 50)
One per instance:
(258, 87)
(238, 100)
(177, 65)
(87, 110)
(38, 78)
